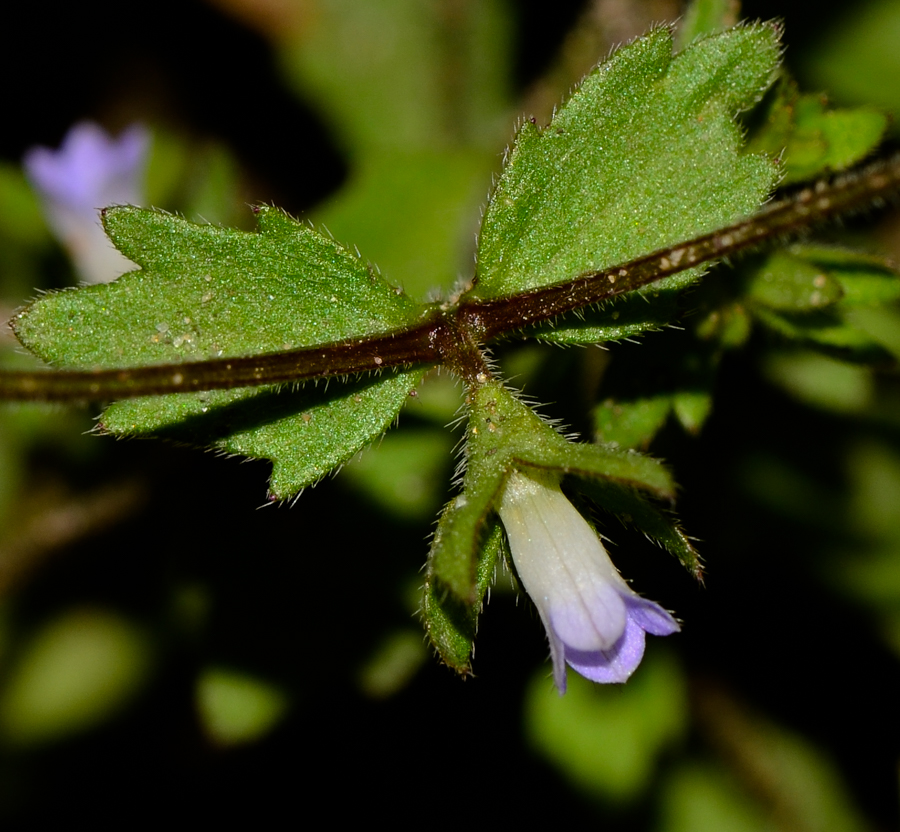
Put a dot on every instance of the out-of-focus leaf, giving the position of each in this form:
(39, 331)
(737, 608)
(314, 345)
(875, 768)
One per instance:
(826, 140)
(811, 138)
(822, 381)
(396, 661)
(402, 74)
(703, 798)
(857, 59)
(403, 473)
(792, 781)
(631, 424)
(413, 213)
(786, 281)
(78, 671)
(706, 17)
(237, 708)
(607, 739)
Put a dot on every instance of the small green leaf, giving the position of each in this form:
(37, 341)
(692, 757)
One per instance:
(631, 424)
(812, 139)
(828, 140)
(829, 297)
(203, 292)
(606, 739)
(614, 175)
(692, 408)
(865, 279)
(236, 708)
(827, 330)
(783, 280)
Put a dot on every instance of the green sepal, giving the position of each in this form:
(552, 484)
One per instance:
(456, 550)
(813, 139)
(615, 174)
(452, 623)
(203, 292)
(503, 435)
(634, 508)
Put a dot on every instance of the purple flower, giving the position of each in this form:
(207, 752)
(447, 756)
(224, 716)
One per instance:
(89, 171)
(594, 621)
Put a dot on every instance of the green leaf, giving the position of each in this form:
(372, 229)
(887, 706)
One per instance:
(827, 330)
(414, 213)
(615, 173)
(812, 139)
(829, 297)
(631, 423)
(607, 739)
(706, 17)
(788, 281)
(305, 433)
(236, 708)
(203, 292)
(865, 279)
(827, 140)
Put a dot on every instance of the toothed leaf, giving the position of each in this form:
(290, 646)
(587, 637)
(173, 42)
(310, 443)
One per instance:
(615, 174)
(204, 291)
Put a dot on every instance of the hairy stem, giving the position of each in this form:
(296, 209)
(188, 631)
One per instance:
(452, 336)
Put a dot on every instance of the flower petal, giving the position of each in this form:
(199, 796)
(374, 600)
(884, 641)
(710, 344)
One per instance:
(591, 620)
(89, 171)
(650, 616)
(614, 665)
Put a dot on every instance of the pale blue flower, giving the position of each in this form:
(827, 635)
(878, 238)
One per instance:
(594, 621)
(90, 171)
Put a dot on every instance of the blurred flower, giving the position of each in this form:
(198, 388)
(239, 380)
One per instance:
(90, 171)
(594, 621)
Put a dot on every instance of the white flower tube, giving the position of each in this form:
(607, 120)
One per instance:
(594, 621)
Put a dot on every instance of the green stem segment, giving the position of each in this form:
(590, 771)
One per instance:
(453, 336)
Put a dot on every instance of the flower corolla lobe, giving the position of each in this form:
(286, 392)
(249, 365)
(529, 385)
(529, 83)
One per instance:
(594, 621)
(90, 171)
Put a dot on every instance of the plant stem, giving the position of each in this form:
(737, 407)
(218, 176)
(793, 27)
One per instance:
(452, 336)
